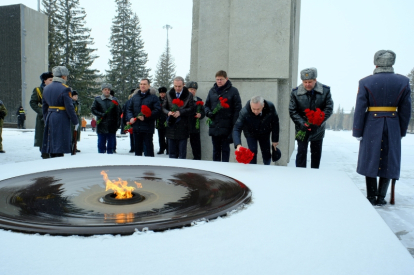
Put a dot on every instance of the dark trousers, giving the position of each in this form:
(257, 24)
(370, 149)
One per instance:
(84, 129)
(143, 142)
(264, 143)
(132, 142)
(177, 148)
(106, 143)
(161, 140)
(196, 145)
(221, 148)
(316, 153)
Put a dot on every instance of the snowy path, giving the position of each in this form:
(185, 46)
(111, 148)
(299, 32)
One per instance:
(340, 152)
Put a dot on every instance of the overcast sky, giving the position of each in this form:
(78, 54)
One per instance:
(339, 38)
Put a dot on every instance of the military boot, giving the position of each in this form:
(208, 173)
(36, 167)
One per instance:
(372, 191)
(382, 190)
(45, 156)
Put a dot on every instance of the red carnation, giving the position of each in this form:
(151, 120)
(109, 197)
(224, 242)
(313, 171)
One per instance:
(201, 103)
(178, 102)
(145, 111)
(218, 107)
(244, 155)
(314, 117)
(115, 102)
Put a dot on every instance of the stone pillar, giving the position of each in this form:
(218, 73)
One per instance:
(24, 57)
(257, 44)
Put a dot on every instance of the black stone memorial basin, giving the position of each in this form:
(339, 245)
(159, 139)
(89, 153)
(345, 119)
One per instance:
(74, 201)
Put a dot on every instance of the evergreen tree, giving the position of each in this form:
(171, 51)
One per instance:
(127, 65)
(351, 119)
(50, 9)
(77, 55)
(187, 77)
(411, 77)
(165, 73)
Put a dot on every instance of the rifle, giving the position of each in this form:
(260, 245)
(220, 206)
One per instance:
(74, 142)
(392, 201)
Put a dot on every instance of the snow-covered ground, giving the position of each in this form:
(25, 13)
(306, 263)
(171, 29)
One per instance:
(285, 245)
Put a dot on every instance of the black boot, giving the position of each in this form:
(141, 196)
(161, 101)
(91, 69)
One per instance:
(160, 152)
(372, 191)
(382, 190)
(45, 156)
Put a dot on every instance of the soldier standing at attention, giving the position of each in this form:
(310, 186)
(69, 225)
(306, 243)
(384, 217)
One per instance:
(382, 115)
(36, 104)
(58, 113)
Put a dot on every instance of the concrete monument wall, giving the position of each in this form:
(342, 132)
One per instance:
(257, 44)
(24, 56)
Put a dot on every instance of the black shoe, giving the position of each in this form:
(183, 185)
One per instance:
(1, 151)
(372, 191)
(382, 191)
(114, 151)
(132, 151)
(78, 151)
(45, 156)
(160, 152)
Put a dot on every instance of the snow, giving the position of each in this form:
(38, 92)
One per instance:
(301, 221)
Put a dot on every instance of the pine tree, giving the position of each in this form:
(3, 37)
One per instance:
(187, 77)
(351, 119)
(411, 77)
(165, 73)
(50, 8)
(127, 65)
(77, 55)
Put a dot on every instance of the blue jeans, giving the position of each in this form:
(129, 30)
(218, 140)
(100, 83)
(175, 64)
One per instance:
(106, 143)
(177, 148)
(264, 143)
(221, 148)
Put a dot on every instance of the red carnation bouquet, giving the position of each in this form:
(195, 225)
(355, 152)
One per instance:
(222, 105)
(176, 104)
(114, 103)
(199, 104)
(315, 118)
(244, 155)
(145, 111)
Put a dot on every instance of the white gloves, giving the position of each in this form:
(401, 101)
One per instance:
(76, 127)
(359, 138)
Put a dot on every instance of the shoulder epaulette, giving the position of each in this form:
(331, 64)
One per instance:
(294, 89)
(65, 85)
(326, 86)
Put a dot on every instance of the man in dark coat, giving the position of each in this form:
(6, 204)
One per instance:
(257, 120)
(58, 113)
(36, 104)
(106, 109)
(311, 94)
(3, 113)
(222, 122)
(143, 126)
(125, 122)
(21, 117)
(160, 123)
(382, 115)
(195, 141)
(77, 107)
(177, 128)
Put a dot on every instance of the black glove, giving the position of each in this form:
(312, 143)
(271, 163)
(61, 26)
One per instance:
(2, 114)
(210, 115)
(313, 128)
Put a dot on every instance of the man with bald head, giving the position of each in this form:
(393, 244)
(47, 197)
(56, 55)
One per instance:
(311, 94)
(382, 115)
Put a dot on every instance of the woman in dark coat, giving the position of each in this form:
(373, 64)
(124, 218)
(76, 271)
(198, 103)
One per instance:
(379, 126)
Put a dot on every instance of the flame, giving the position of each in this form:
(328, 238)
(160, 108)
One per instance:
(120, 187)
(121, 217)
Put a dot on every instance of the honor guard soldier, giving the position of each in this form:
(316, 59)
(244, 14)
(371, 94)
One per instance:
(311, 94)
(58, 113)
(382, 115)
(36, 104)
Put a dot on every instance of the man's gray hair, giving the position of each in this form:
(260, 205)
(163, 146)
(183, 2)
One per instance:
(257, 99)
(179, 78)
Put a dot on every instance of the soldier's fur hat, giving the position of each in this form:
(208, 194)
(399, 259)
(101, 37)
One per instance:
(45, 76)
(60, 71)
(384, 58)
(309, 73)
(106, 85)
(162, 90)
(192, 84)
